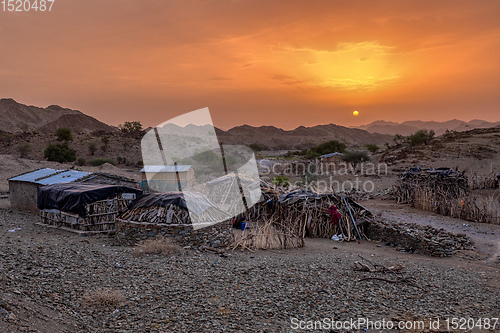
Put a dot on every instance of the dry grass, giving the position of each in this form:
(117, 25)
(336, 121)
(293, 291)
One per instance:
(103, 298)
(156, 246)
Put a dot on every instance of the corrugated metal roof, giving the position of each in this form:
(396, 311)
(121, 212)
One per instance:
(166, 168)
(331, 154)
(64, 177)
(51, 176)
(35, 175)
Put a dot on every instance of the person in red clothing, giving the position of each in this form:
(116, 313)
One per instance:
(335, 214)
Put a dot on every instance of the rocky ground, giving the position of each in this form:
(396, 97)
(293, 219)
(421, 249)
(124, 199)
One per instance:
(45, 276)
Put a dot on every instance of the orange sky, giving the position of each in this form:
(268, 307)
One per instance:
(282, 63)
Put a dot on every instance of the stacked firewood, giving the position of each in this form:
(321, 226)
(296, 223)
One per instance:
(310, 216)
(444, 192)
(171, 214)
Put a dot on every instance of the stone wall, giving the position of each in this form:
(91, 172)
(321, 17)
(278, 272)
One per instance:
(412, 238)
(218, 235)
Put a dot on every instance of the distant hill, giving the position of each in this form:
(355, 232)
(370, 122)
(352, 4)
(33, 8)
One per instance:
(270, 137)
(410, 127)
(16, 117)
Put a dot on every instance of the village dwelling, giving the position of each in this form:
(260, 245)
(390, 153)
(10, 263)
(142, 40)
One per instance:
(166, 178)
(329, 162)
(83, 208)
(23, 189)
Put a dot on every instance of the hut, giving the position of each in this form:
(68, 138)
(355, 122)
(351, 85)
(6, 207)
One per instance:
(83, 208)
(167, 214)
(329, 162)
(23, 189)
(166, 178)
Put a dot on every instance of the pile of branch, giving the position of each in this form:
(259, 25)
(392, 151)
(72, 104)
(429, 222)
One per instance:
(268, 236)
(171, 214)
(310, 216)
(398, 275)
(442, 191)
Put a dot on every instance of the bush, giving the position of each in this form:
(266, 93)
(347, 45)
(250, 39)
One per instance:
(156, 246)
(333, 146)
(80, 161)
(420, 137)
(104, 298)
(256, 147)
(64, 134)
(100, 161)
(24, 149)
(60, 153)
(355, 157)
(92, 147)
(281, 181)
(372, 148)
(130, 127)
(121, 160)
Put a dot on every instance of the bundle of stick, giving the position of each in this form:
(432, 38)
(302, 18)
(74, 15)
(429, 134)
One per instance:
(171, 214)
(268, 236)
(310, 215)
(443, 193)
(100, 216)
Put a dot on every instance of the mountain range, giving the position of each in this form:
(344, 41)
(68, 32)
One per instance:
(16, 117)
(410, 127)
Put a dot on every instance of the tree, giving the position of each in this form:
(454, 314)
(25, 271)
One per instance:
(420, 137)
(92, 147)
(105, 141)
(64, 134)
(372, 148)
(256, 147)
(24, 149)
(399, 139)
(131, 127)
(355, 157)
(60, 153)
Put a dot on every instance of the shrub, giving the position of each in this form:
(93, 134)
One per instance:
(398, 139)
(24, 149)
(100, 161)
(64, 134)
(420, 137)
(60, 153)
(355, 157)
(7, 137)
(80, 161)
(103, 298)
(130, 127)
(92, 147)
(156, 246)
(372, 148)
(281, 181)
(256, 147)
(121, 160)
(332, 146)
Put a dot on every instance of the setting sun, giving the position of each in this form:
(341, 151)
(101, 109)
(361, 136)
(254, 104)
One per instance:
(355, 113)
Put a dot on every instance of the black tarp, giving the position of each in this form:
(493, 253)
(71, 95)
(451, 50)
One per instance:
(294, 196)
(72, 197)
(198, 202)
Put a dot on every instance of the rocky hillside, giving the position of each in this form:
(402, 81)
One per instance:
(271, 137)
(410, 127)
(17, 117)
